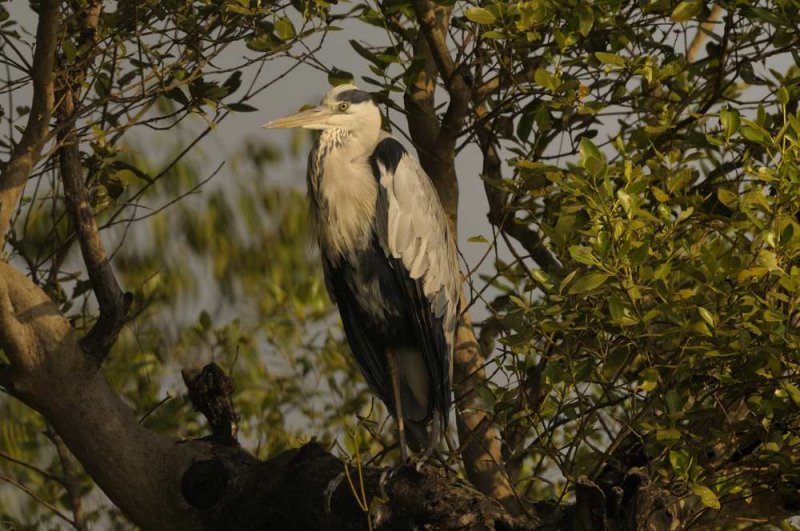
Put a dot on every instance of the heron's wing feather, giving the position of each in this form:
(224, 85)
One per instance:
(414, 232)
(369, 355)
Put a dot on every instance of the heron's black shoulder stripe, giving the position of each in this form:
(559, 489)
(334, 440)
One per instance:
(354, 96)
(387, 153)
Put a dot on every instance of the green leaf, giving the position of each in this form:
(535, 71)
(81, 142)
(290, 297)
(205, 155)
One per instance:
(680, 462)
(591, 158)
(238, 8)
(70, 51)
(783, 96)
(616, 308)
(545, 79)
(755, 133)
(588, 149)
(126, 177)
(367, 54)
(585, 19)
(687, 10)
(610, 58)
(241, 107)
(707, 316)
(773, 316)
(542, 278)
(205, 320)
(648, 379)
(284, 29)
(477, 239)
(263, 43)
(792, 391)
(730, 120)
(525, 126)
(727, 198)
(480, 15)
(706, 495)
(668, 435)
(588, 282)
(338, 77)
(582, 254)
(662, 271)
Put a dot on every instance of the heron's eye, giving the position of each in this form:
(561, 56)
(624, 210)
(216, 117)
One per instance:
(343, 106)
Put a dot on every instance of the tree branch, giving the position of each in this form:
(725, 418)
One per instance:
(419, 103)
(479, 436)
(70, 480)
(433, 22)
(110, 298)
(500, 218)
(14, 172)
(210, 391)
(112, 301)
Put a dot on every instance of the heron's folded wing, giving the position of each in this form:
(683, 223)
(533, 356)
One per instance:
(414, 233)
(369, 355)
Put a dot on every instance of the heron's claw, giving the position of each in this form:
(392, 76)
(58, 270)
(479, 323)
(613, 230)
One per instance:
(386, 474)
(418, 462)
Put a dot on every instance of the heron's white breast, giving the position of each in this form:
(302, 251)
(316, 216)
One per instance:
(349, 192)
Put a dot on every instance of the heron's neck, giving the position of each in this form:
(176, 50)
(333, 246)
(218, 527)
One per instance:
(358, 142)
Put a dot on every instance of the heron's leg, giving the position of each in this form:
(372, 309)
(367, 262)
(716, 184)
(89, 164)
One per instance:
(394, 373)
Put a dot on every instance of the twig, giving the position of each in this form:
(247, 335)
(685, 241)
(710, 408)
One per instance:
(155, 407)
(43, 473)
(71, 481)
(36, 498)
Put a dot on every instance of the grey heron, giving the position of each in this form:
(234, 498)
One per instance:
(389, 259)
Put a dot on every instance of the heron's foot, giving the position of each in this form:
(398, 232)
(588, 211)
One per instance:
(418, 461)
(386, 474)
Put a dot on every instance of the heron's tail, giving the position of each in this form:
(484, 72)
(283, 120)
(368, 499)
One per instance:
(421, 412)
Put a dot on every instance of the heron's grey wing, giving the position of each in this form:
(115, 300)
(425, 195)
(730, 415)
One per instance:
(368, 353)
(414, 232)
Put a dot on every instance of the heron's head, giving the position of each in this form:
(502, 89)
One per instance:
(345, 107)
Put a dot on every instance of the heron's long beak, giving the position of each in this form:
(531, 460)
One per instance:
(315, 118)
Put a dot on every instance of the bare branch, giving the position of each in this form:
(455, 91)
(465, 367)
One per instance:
(503, 220)
(43, 473)
(39, 500)
(164, 483)
(70, 479)
(14, 172)
(15, 339)
(113, 303)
